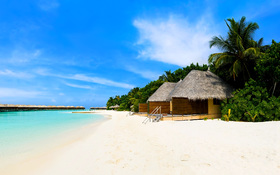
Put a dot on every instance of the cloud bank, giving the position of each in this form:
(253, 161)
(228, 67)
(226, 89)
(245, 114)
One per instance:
(85, 78)
(78, 86)
(174, 40)
(16, 93)
(150, 75)
(98, 80)
(10, 73)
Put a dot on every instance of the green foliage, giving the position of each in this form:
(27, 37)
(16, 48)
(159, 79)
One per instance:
(253, 103)
(110, 102)
(181, 73)
(240, 51)
(145, 92)
(227, 116)
(242, 59)
(268, 69)
(140, 95)
(136, 105)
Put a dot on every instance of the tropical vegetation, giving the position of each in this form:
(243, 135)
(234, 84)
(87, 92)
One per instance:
(251, 68)
(140, 95)
(239, 51)
(257, 95)
(252, 103)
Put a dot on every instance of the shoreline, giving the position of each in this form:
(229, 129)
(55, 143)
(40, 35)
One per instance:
(123, 145)
(47, 149)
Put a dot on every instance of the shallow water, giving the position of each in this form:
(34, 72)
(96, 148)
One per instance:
(22, 132)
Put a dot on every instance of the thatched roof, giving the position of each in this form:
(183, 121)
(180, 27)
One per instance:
(104, 107)
(169, 97)
(199, 85)
(116, 106)
(162, 92)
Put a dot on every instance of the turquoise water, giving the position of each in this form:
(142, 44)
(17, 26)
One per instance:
(20, 132)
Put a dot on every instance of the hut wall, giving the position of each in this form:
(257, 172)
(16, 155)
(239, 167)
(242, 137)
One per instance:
(165, 106)
(143, 107)
(181, 106)
(213, 109)
(171, 108)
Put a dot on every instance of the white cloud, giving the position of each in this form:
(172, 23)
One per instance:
(18, 93)
(78, 86)
(98, 80)
(174, 40)
(14, 74)
(144, 73)
(85, 78)
(42, 71)
(48, 5)
(20, 56)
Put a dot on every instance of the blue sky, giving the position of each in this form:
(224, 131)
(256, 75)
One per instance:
(61, 52)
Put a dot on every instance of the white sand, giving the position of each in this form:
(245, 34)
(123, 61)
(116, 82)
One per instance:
(123, 145)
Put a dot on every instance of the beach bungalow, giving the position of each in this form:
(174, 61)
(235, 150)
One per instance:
(114, 107)
(143, 107)
(199, 93)
(197, 96)
(160, 98)
(98, 108)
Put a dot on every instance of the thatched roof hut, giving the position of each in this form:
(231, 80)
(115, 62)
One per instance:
(162, 92)
(201, 85)
(114, 107)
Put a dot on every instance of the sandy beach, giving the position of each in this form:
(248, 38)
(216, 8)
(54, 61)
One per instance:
(123, 145)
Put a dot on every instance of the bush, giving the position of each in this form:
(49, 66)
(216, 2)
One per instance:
(251, 104)
(268, 69)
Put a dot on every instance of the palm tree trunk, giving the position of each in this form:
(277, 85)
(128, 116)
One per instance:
(247, 70)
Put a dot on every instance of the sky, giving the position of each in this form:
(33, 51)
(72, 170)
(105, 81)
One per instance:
(61, 52)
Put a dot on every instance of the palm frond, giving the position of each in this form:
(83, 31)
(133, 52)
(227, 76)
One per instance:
(236, 68)
(248, 32)
(260, 43)
(238, 47)
(229, 27)
(224, 59)
(242, 23)
(251, 51)
(213, 57)
(239, 43)
(218, 42)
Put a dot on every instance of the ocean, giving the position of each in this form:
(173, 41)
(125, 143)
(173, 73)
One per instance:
(27, 132)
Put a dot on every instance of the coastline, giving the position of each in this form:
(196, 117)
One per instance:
(123, 145)
(47, 149)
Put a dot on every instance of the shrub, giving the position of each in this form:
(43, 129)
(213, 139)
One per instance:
(268, 69)
(251, 104)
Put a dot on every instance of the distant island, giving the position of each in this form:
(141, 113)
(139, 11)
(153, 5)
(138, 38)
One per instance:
(11, 107)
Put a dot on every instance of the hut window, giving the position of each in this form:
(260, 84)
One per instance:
(216, 101)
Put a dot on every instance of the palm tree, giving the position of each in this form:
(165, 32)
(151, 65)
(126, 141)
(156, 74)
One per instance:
(239, 48)
(168, 76)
